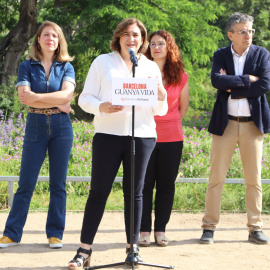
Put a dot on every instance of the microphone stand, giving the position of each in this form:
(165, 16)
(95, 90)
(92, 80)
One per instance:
(133, 258)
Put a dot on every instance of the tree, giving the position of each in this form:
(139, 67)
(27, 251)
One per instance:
(15, 43)
(8, 15)
(259, 9)
(190, 22)
(88, 26)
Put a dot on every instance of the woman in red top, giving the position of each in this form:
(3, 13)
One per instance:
(164, 162)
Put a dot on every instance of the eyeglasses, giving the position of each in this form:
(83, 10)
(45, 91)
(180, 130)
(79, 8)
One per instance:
(244, 32)
(153, 45)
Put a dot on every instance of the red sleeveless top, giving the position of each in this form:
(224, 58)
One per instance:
(169, 126)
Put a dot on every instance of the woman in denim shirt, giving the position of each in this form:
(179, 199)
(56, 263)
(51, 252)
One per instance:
(46, 84)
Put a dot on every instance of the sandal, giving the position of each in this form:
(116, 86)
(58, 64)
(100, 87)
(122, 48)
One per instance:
(144, 241)
(83, 262)
(161, 240)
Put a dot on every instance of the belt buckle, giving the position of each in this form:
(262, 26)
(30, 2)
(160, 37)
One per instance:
(48, 112)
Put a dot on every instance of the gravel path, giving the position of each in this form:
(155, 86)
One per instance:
(230, 250)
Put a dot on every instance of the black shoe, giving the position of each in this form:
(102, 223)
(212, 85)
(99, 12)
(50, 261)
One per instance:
(258, 237)
(207, 237)
(135, 252)
(82, 262)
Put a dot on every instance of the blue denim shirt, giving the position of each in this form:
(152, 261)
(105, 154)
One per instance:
(32, 74)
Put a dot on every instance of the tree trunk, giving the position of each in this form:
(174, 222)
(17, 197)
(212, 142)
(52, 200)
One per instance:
(15, 43)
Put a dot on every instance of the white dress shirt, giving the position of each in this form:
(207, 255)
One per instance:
(238, 107)
(98, 87)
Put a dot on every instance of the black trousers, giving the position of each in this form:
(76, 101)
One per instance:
(161, 171)
(108, 153)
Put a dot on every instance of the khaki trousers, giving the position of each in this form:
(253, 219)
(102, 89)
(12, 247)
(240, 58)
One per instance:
(250, 141)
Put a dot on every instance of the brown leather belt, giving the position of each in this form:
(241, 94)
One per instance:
(240, 118)
(47, 112)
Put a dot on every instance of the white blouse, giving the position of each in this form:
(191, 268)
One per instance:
(98, 87)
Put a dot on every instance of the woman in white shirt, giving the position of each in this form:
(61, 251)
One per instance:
(113, 130)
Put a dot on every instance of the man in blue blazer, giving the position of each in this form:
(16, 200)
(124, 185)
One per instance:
(241, 73)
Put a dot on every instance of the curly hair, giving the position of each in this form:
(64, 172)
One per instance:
(174, 65)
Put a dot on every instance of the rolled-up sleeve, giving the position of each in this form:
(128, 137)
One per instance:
(24, 75)
(69, 74)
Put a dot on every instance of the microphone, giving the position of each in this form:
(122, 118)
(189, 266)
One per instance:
(133, 57)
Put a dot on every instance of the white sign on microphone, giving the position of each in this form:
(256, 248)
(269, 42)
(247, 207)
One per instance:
(135, 91)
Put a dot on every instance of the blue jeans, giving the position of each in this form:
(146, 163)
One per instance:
(42, 133)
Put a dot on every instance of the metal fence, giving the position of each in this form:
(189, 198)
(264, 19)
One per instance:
(12, 179)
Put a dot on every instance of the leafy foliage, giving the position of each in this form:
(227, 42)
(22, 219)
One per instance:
(198, 27)
(89, 26)
(259, 9)
(8, 15)
(9, 101)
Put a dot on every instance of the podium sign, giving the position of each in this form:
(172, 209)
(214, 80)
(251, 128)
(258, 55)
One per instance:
(135, 91)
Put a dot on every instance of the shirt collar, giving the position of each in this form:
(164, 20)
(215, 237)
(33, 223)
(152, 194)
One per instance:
(244, 53)
(33, 62)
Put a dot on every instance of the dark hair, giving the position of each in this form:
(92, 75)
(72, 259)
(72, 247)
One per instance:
(120, 29)
(238, 17)
(174, 66)
(61, 53)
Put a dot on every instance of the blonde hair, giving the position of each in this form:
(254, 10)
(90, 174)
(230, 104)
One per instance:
(61, 53)
(120, 29)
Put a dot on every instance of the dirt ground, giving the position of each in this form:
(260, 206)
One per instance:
(231, 249)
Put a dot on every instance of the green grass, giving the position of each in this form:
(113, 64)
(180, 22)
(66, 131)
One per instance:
(189, 197)
(195, 163)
